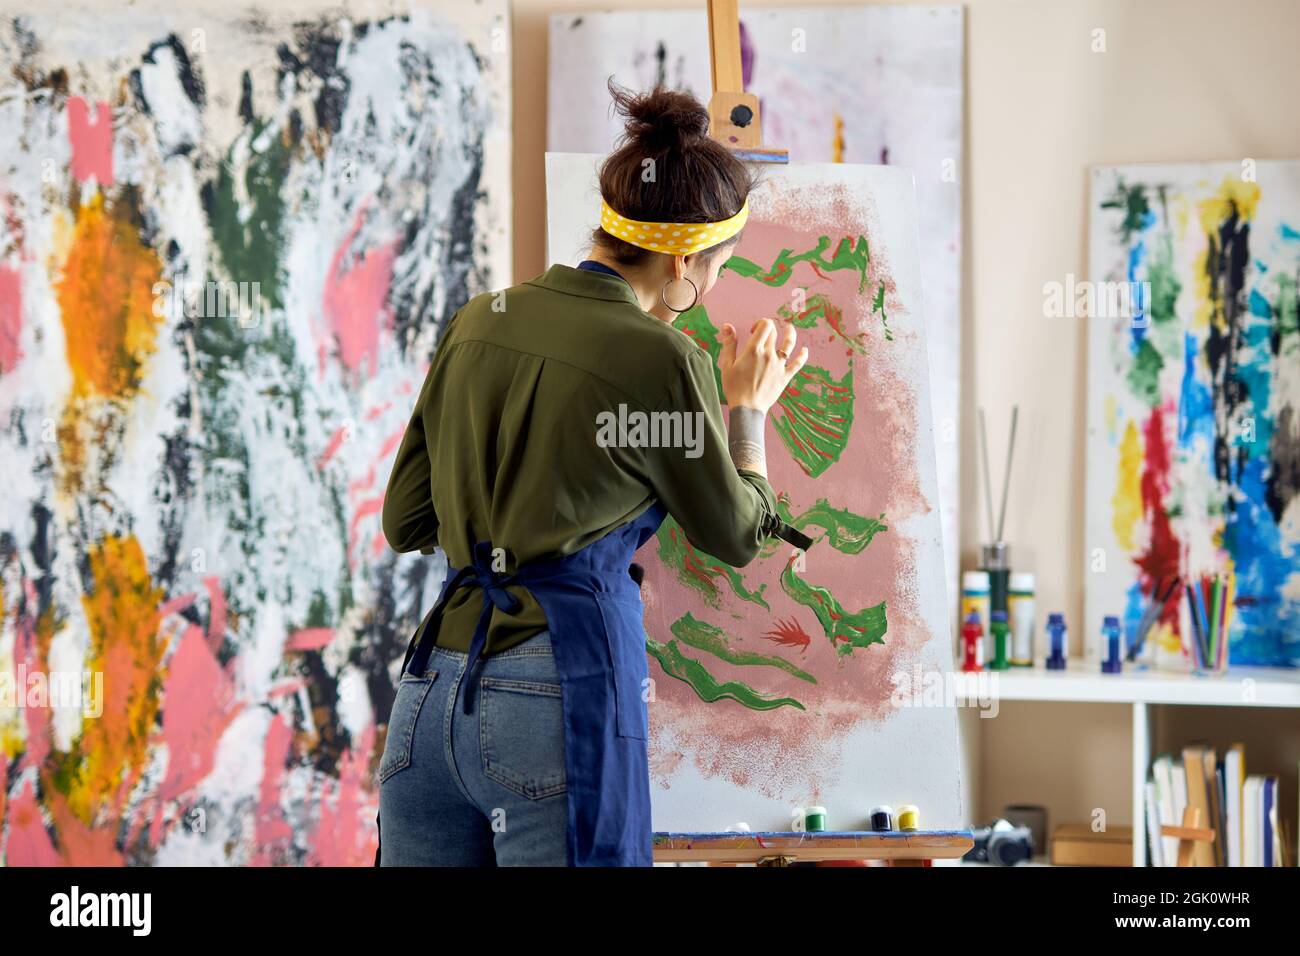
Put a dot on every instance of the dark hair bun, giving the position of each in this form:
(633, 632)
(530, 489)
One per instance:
(660, 119)
(695, 178)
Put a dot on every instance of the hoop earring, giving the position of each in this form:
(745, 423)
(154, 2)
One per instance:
(694, 298)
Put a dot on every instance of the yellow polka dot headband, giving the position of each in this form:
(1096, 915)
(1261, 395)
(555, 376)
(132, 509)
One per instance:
(671, 238)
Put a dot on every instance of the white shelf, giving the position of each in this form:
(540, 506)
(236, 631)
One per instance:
(1141, 688)
(1239, 687)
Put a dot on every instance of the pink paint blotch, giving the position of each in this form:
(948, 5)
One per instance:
(92, 141)
(11, 318)
(272, 832)
(356, 298)
(310, 639)
(199, 704)
(346, 835)
(29, 842)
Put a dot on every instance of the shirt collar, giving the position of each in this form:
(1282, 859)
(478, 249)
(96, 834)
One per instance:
(587, 283)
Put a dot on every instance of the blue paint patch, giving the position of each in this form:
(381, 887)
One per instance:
(1195, 403)
(1137, 258)
(1288, 232)
(1134, 606)
(1259, 305)
(1266, 623)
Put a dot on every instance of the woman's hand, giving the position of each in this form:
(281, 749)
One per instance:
(754, 375)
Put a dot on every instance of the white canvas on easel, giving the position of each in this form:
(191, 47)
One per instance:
(855, 84)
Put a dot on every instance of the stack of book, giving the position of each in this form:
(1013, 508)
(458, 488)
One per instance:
(1242, 810)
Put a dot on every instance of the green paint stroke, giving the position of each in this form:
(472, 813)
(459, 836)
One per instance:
(848, 255)
(845, 530)
(710, 690)
(698, 569)
(878, 305)
(818, 416)
(1144, 373)
(845, 631)
(706, 637)
(695, 322)
(248, 236)
(1132, 200)
(819, 308)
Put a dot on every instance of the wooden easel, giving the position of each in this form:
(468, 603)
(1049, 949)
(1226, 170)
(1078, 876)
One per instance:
(897, 847)
(1189, 834)
(734, 119)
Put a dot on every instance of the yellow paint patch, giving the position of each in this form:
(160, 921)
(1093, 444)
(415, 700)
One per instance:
(1233, 196)
(1126, 505)
(1167, 639)
(837, 139)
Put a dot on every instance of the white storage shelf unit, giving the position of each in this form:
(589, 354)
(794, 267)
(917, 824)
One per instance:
(1081, 683)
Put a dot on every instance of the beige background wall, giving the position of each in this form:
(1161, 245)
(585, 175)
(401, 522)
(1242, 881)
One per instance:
(1180, 80)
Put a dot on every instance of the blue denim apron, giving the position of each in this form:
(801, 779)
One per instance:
(594, 613)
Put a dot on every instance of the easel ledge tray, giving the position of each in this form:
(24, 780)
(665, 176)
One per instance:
(733, 847)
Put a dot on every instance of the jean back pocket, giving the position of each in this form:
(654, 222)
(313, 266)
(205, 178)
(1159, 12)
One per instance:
(411, 692)
(521, 735)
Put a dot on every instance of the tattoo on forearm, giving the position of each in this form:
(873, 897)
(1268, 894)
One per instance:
(745, 439)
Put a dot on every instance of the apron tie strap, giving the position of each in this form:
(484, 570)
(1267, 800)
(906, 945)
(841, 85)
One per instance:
(494, 585)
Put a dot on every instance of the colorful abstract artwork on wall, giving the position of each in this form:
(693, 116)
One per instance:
(227, 246)
(1194, 398)
(807, 678)
(865, 84)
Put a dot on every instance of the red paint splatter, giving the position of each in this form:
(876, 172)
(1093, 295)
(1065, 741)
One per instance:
(788, 633)
(1161, 558)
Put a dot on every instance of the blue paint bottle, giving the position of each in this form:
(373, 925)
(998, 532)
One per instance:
(1112, 663)
(1057, 636)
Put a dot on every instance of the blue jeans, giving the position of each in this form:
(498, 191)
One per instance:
(480, 789)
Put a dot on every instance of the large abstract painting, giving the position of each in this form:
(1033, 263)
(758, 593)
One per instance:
(872, 84)
(1194, 398)
(807, 678)
(229, 237)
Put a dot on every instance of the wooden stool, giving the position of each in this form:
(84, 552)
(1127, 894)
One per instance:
(1189, 834)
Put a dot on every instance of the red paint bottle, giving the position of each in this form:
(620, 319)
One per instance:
(972, 643)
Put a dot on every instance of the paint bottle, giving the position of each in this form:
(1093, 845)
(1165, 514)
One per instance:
(1059, 641)
(814, 819)
(909, 818)
(1112, 662)
(975, 598)
(1001, 659)
(1020, 608)
(882, 819)
(972, 643)
(996, 562)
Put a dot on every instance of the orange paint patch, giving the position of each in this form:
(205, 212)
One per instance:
(106, 300)
(125, 645)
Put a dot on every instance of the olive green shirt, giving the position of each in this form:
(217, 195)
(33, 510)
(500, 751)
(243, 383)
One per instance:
(506, 442)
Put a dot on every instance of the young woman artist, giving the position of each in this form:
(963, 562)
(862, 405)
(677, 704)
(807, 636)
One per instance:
(518, 735)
